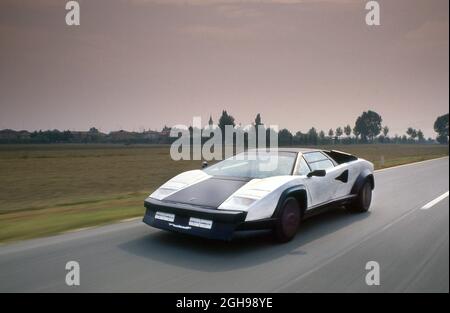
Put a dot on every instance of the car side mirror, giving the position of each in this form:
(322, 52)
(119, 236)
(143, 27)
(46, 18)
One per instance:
(318, 173)
(204, 164)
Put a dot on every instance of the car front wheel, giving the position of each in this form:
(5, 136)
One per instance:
(289, 220)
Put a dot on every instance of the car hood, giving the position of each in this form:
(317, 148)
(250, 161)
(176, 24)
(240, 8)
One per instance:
(210, 192)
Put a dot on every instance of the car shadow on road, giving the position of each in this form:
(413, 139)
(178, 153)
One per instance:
(245, 250)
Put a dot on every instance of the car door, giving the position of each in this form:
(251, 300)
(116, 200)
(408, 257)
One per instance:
(321, 189)
(345, 176)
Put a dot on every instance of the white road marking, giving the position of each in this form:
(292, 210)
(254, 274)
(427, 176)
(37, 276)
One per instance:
(435, 201)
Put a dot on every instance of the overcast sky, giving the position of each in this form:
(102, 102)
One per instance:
(135, 64)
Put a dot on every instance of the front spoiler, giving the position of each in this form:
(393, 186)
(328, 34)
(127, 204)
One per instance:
(225, 223)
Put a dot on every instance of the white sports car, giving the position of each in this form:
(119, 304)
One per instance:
(250, 192)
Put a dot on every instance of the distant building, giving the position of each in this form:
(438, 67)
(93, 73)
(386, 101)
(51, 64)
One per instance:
(151, 135)
(165, 132)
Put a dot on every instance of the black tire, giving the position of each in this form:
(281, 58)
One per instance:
(289, 220)
(362, 202)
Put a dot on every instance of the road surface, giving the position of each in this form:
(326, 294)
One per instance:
(329, 254)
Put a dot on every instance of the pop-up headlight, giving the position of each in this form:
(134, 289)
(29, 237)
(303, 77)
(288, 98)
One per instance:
(166, 190)
(242, 200)
(161, 193)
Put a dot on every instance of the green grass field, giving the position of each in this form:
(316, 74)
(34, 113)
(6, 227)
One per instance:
(48, 189)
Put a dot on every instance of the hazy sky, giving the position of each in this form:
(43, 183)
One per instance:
(135, 64)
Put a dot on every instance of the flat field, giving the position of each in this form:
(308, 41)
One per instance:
(48, 189)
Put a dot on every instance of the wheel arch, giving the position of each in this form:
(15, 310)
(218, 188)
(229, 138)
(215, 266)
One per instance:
(365, 175)
(297, 192)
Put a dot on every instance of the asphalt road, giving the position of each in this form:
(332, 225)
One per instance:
(329, 254)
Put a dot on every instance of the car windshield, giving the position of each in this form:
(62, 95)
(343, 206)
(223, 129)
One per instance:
(254, 165)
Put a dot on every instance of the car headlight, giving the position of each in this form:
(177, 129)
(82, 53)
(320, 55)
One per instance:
(239, 203)
(162, 192)
(167, 189)
(243, 200)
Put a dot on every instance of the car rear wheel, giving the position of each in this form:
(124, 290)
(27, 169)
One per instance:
(363, 200)
(289, 220)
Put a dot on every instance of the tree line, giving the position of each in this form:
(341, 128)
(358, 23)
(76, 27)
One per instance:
(368, 128)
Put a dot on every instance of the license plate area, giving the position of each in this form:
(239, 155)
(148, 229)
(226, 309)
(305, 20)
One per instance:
(168, 217)
(201, 223)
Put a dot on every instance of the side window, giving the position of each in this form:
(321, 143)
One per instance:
(314, 157)
(321, 165)
(302, 167)
(318, 161)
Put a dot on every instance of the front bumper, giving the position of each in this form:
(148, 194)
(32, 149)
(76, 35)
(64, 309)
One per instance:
(223, 227)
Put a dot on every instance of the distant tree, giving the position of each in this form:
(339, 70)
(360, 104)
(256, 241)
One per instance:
(224, 120)
(356, 133)
(409, 131)
(441, 127)
(67, 136)
(385, 131)
(299, 138)
(285, 137)
(93, 130)
(330, 133)
(348, 130)
(312, 136)
(322, 136)
(339, 132)
(368, 125)
(210, 122)
(420, 136)
(258, 120)
(412, 133)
